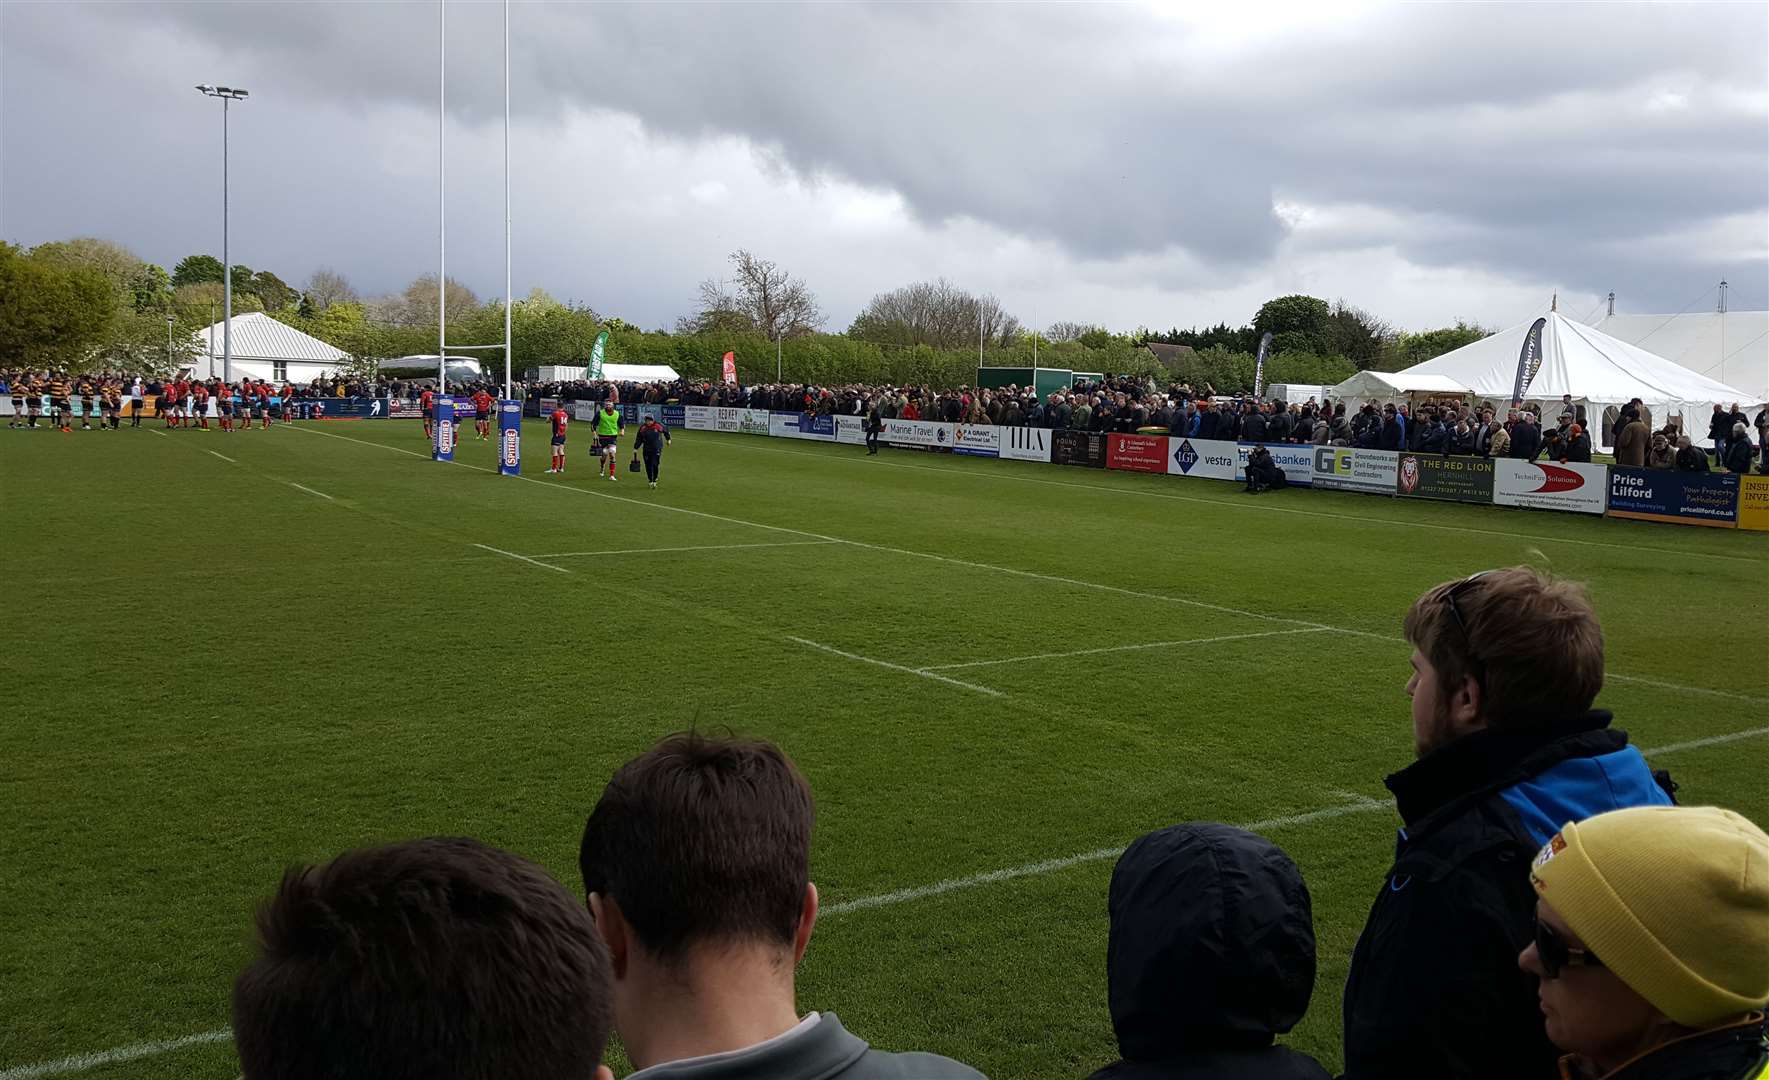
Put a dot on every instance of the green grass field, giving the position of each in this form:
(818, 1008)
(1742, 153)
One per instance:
(213, 672)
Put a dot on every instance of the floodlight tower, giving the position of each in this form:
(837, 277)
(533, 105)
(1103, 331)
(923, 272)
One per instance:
(226, 94)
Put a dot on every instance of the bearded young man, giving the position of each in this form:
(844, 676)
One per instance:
(1506, 664)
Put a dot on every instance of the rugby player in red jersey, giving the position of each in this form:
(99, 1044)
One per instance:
(264, 396)
(199, 404)
(482, 403)
(427, 405)
(559, 418)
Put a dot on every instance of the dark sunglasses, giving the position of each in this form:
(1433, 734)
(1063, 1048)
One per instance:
(1449, 598)
(1554, 953)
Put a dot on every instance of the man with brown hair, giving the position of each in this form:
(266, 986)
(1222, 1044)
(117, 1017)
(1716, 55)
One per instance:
(697, 866)
(1506, 664)
(434, 959)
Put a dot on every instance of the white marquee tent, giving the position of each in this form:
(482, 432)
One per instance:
(1600, 372)
(1368, 386)
(265, 349)
(1730, 346)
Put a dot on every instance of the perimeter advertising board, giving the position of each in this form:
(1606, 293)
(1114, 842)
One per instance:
(850, 429)
(1753, 503)
(1213, 459)
(1025, 443)
(1549, 485)
(927, 434)
(1433, 476)
(976, 440)
(699, 418)
(749, 421)
(1344, 468)
(1675, 497)
(580, 410)
(801, 426)
(1137, 453)
(1084, 448)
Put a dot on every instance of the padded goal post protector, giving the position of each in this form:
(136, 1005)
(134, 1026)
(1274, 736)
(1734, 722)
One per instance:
(442, 447)
(510, 438)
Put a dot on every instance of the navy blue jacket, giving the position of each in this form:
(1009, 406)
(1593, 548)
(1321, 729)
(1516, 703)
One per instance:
(1211, 954)
(1434, 989)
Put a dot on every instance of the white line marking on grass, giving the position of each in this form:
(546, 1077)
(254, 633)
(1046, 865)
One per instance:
(1131, 648)
(310, 491)
(82, 1062)
(896, 667)
(696, 547)
(524, 558)
(984, 474)
(1008, 569)
(1678, 686)
(1711, 740)
(224, 457)
(1357, 803)
(162, 435)
(1362, 805)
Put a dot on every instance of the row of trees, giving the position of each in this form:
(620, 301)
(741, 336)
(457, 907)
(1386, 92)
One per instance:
(88, 303)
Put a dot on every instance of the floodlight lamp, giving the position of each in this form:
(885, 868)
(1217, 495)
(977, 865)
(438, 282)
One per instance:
(240, 94)
(224, 90)
(206, 88)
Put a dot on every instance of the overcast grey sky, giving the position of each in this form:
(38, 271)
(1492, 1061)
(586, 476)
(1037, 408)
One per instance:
(1126, 165)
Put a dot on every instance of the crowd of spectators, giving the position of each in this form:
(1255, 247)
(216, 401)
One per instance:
(1130, 405)
(1549, 912)
(1140, 405)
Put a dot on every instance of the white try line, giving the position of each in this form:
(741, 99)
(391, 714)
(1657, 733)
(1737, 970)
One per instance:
(1077, 582)
(1358, 804)
(896, 667)
(224, 457)
(984, 473)
(524, 558)
(695, 547)
(162, 434)
(1130, 648)
(310, 491)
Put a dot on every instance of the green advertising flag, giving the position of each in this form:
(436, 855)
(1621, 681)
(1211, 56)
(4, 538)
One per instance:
(596, 355)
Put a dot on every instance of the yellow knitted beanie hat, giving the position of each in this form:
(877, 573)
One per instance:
(1673, 900)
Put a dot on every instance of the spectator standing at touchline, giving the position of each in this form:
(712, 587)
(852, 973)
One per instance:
(1738, 453)
(1652, 945)
(1211, 955)
(434, 959)
(696, 863)
(1505, 665)
(1690, 458)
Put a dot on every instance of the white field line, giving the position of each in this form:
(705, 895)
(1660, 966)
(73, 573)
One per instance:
(524, 558)
(984, 474)
(1358, 804)
(162, 435)
(1689, 689)
(310, 491)
(1129, 648)
(1711, 740)
(224, 457)
(895, 667)
(82, 1062)
(696, 547)
(1077, 582)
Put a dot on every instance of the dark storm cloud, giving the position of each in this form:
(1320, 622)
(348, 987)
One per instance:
(1529, 140)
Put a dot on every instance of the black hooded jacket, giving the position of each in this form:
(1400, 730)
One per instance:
(1211, 955)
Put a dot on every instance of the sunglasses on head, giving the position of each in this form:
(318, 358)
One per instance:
(1554, 953)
